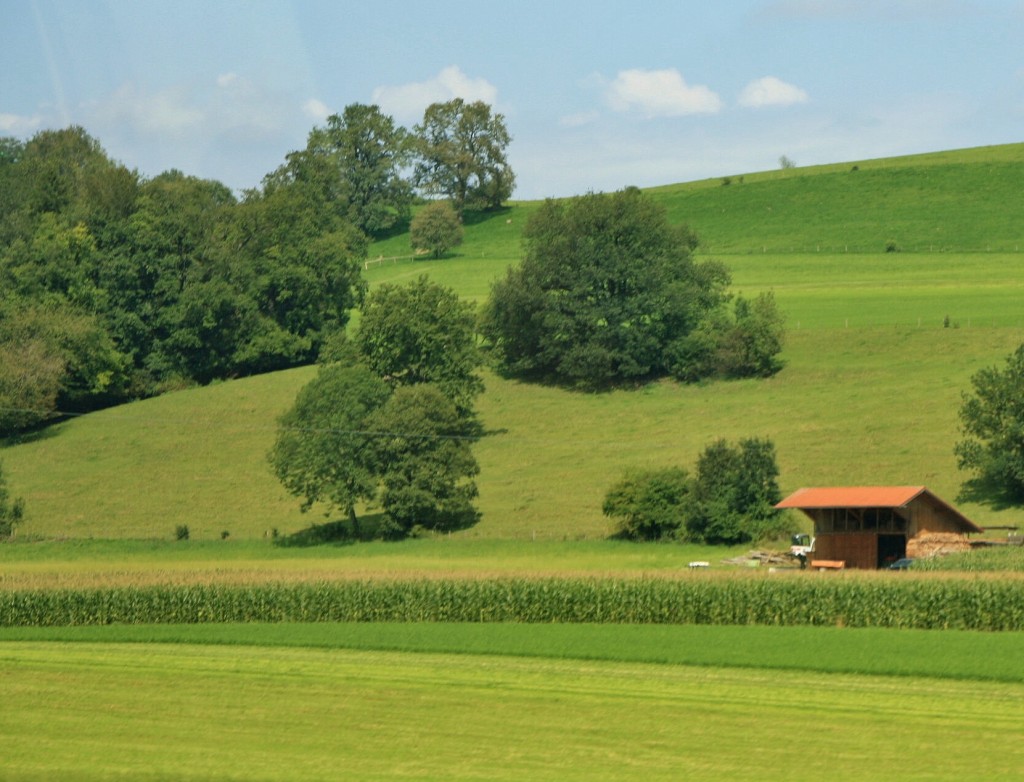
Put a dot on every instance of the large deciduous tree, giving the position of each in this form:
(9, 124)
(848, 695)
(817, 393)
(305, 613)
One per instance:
(992, 421)
(425, 461)
(323, 452)
(356, 163)
(393, 412)
(606, 292)
(422, 333)
(54, 357)
(461, 151)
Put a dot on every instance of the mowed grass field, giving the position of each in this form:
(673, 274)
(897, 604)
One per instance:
(98, 711)
(880, 348)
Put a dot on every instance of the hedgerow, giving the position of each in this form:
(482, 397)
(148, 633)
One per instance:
(982, 604)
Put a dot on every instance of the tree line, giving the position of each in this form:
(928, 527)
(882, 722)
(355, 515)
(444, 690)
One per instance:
(114, 286)
(118, 287)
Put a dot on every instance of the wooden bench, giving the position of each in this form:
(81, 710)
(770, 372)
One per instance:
(828, 564)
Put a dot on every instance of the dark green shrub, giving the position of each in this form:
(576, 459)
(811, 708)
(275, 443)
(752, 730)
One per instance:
(649, 504)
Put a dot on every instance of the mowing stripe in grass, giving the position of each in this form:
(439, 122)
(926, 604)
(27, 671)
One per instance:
(953, 655)
(99, 712)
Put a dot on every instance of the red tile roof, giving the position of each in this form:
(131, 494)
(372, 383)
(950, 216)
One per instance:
(867, 497)
(852, 497)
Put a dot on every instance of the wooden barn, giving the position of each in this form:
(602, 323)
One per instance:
(871, 526)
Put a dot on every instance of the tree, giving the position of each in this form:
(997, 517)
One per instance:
(605, 293)
(744, 345)
(423, 452)
(169, 246)
(12, 511)
(752, 346)
(461, 155)
(649, 504)
(992, 420)
(437, 228)
(54, 357)
(299, 266)
(355, 164)
(734, 493)
(422, 333)
(30, 379)
(394, 412)
(323, 452)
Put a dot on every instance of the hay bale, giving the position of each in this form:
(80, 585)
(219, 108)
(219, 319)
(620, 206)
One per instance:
(937, 544)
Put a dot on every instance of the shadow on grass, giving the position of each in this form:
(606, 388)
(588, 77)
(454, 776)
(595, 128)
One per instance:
(477, 216)
(988, 492)
(335, 533)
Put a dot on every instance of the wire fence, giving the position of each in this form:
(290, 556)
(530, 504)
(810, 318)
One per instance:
(864, 249)
(381, 260)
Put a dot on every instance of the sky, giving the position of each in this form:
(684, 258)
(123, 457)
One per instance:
(597, 95)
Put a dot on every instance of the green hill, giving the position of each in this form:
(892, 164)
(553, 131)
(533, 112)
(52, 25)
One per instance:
(880, 347)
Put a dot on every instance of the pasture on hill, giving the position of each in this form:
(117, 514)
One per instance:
(879, 348)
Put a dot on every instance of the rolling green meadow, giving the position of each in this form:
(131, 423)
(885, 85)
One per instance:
(880, 346)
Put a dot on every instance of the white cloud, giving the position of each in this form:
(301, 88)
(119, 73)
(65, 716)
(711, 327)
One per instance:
(165, 112)
(316, 110)
(228, 105)
(661, 93)
(846, 10)
(770, 91)
(407, 102)
(17, 125)
(578, 120)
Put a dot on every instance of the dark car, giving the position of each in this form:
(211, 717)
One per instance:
(902, 564)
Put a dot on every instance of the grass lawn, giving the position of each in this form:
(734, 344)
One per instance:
(186, 712)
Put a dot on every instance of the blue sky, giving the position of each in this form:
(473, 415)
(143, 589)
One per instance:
(598, 95)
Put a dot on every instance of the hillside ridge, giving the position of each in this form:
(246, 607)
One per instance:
(880, 347)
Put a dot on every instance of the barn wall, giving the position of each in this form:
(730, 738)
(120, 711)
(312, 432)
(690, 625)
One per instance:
(927, 517)
(856, 549)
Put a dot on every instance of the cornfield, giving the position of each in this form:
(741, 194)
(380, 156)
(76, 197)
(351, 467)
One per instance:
(980, 604)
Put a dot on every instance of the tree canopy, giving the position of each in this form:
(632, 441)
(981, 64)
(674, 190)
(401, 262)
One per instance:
(730, 498)
(323, 452)
(460, 150)
(649, 504)
(437, 228)
(184, 281)
(992, 421)
(390, 416)
(422, 333)
(609, 291)
(355, 163)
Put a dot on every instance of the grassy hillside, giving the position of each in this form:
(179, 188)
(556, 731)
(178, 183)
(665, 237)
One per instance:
(869, 394)
(964, 201)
